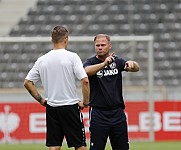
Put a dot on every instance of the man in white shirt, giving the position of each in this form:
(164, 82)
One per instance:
(58, 70)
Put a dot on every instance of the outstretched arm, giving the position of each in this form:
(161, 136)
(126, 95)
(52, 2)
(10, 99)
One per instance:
(29, 85)
(131, 66)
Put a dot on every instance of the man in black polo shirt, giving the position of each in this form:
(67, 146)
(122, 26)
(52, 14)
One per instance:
(107, 117)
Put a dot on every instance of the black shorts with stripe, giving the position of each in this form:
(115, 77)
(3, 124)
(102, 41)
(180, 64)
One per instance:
(108, 123)
(65, 121)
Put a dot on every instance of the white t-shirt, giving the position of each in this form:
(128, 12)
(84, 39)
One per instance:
(57, 70)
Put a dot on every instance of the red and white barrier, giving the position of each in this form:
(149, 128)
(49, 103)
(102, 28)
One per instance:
(26, 121)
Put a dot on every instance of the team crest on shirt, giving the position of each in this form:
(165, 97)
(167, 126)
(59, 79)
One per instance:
(112, 65)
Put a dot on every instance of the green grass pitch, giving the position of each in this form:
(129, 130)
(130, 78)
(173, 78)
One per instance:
(133, 146)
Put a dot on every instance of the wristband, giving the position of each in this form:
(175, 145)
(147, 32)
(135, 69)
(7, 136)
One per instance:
(85, 104)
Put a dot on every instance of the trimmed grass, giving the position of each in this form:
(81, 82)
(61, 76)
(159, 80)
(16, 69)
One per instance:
(133, 146)
(155, 145)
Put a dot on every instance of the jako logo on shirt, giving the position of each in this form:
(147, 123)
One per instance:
(110, 72)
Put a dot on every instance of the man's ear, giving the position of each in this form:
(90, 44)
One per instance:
(110, 46)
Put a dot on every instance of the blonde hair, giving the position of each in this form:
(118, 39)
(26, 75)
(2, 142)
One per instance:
(102, 35)
(59, 33)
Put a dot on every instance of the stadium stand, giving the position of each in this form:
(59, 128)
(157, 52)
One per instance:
(161, 18)
(10, 13)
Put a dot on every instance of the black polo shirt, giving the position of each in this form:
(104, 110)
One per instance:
(106, 84)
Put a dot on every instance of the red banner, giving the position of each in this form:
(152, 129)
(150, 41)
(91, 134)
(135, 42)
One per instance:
(166, 120)
(26, 121)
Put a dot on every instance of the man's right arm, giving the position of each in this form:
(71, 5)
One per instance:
(85, 91)
(93, 69)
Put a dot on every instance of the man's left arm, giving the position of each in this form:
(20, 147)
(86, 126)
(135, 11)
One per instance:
(131, 66)
(29, 85)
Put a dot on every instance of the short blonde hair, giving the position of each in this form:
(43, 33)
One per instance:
(59, 33)
(102, 35)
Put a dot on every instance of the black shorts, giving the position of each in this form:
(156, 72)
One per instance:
(65, 121)
(108, 123)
